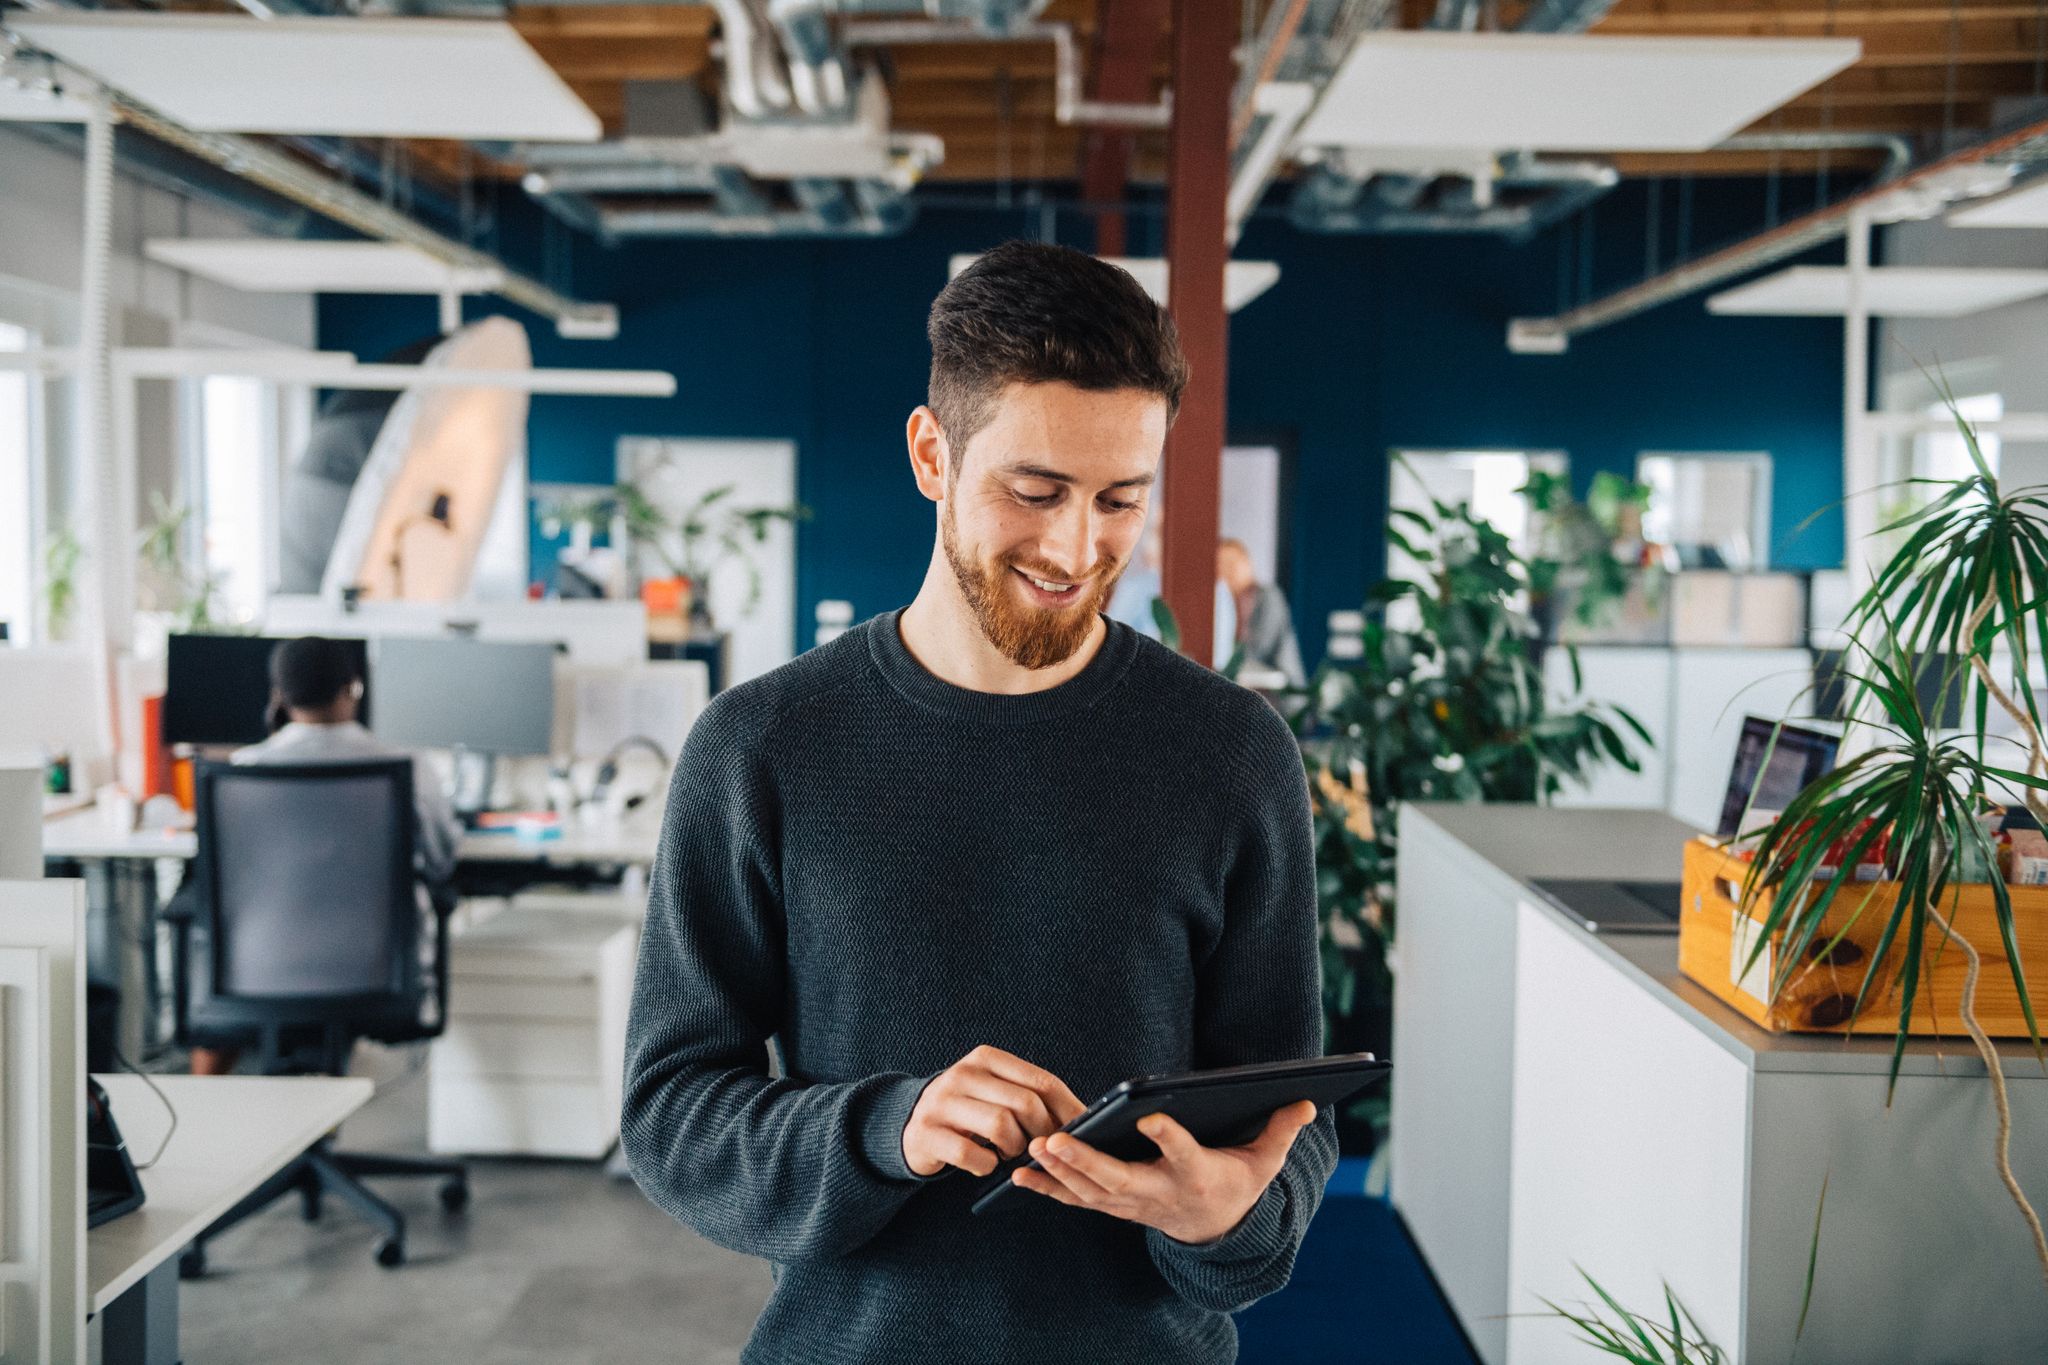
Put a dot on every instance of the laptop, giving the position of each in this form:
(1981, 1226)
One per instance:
(1773, 763)
(111, 1186)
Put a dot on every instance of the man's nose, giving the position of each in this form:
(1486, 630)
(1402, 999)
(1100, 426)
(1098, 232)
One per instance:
(1069, 544)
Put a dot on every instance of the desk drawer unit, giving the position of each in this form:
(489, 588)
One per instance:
(531, 1060)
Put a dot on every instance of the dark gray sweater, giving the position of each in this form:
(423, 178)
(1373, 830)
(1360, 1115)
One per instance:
(882, 871)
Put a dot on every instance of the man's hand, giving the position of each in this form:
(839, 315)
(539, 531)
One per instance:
(986, 1103)
(1191, 1193)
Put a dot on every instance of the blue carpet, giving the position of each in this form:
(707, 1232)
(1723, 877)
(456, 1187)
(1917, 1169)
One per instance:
(1360, 1294)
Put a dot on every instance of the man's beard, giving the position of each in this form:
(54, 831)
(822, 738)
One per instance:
(1035, 637)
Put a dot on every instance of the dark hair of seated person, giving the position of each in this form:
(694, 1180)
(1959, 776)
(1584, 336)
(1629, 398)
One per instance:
(313, 674)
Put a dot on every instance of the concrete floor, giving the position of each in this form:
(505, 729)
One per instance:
(553, 1262)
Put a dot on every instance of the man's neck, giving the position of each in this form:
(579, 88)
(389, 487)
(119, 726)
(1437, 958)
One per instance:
(941, 633)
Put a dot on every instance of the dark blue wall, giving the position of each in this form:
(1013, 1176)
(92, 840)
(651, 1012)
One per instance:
(1365, 344)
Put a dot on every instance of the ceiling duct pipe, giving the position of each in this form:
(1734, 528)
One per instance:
(301, 184)
(1920, 193)
(754, 83)
(1069, 107)
(1325, 189)
(817, 64)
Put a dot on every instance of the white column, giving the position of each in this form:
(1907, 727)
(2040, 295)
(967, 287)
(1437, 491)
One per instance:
(1860, 473)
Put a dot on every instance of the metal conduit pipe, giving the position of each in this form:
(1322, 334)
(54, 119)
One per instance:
(290, 179)
(1068, 106)
(1402, 191)
(1898, 153)
(2026, 145)
(747, 61)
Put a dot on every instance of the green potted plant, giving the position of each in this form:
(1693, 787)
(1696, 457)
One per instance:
(1962, 603)
(188, 599)
(707, 535)
(1453, 708)
(1591, 554)
(62, 556)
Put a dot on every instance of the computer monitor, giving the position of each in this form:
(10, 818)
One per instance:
(1774, 762)
(217, 688)
(484, 696)
(1941, 701)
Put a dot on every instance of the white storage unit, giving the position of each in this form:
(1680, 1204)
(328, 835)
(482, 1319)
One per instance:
(1692, 701)
(534, 1052)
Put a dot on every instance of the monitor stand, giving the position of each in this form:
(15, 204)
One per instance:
(475, 776)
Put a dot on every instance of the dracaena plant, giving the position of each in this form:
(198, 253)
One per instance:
(1962, 604)
(1452, 708)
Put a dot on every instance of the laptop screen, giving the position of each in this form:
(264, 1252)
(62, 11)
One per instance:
(1774, 762)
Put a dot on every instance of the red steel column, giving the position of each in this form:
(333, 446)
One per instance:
(1197, 178)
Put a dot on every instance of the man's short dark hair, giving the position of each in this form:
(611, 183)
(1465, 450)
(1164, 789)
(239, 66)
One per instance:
(1031, 313)
(313, 671)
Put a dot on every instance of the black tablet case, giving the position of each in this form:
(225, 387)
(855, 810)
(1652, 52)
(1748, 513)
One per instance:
(1227, 1107)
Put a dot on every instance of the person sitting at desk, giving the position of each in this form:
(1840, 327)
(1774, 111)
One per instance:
(316, 691)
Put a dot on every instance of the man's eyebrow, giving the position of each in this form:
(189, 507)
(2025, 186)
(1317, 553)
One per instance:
(1032, 471)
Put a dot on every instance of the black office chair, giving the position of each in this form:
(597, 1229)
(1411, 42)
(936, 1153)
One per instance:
(305, 893)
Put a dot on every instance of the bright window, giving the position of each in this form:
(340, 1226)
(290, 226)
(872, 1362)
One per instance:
(1489, 481)
(1944, 454)
(1712, 510)
(17, 491)
(237, 441)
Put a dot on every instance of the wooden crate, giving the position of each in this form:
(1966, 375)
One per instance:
(1715, 937)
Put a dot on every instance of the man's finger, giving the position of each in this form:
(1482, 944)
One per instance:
(1175, 1142)
(1040, 1183)
(1010, 1067)
(1030, 1108)
(1085, 1191)
(978, 1118)
(1278, 1135)
(1105, 1170)
(956, 1149)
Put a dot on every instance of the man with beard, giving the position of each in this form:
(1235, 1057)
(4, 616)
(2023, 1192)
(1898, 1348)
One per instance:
(968, 863)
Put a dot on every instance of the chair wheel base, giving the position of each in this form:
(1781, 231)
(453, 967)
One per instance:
(192, 1262)
(391, 1253)
(455, 1195)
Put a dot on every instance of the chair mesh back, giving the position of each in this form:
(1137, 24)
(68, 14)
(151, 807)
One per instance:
(307, 903)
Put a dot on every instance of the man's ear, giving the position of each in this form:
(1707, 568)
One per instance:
(929, 453)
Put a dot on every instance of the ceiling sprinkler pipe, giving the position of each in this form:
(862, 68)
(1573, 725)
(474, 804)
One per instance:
(1068, 105)
(1552, 334)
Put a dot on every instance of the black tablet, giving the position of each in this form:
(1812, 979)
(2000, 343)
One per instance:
(1227, 1107)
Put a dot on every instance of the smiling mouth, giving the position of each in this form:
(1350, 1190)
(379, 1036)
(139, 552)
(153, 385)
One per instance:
(1048, 587)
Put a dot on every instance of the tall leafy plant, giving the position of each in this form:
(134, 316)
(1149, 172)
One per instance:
(1962, 600)
(1450, 708)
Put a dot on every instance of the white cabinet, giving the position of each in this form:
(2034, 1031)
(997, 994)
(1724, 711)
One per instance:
(1565, 1099)
(533, 1056)
(1692, 701)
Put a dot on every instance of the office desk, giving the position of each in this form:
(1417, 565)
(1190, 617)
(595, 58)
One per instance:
(124, 941)
(86, 837)
(233, 1133)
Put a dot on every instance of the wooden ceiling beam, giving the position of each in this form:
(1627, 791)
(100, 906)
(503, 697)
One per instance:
(1636, 164)
(625, 21)
(1843, 20)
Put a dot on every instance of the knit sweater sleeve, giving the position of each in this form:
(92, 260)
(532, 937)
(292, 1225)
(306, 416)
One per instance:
(768, 1166)
(1259, 999)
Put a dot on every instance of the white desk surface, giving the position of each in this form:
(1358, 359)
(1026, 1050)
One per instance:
(632, 839)
(234, 1132)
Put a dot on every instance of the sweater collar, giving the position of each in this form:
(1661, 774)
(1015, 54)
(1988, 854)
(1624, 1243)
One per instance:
(911, 678)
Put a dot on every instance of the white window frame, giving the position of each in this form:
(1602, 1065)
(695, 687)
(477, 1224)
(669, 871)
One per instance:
(1760, 509)
(27, 627)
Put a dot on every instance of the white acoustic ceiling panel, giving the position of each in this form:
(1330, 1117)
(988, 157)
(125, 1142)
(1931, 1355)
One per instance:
(1562, 92)
(283, 265)
(1895, 291)
(1243, 281)
(444, 78)
(2025, 207)
(36, 106)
